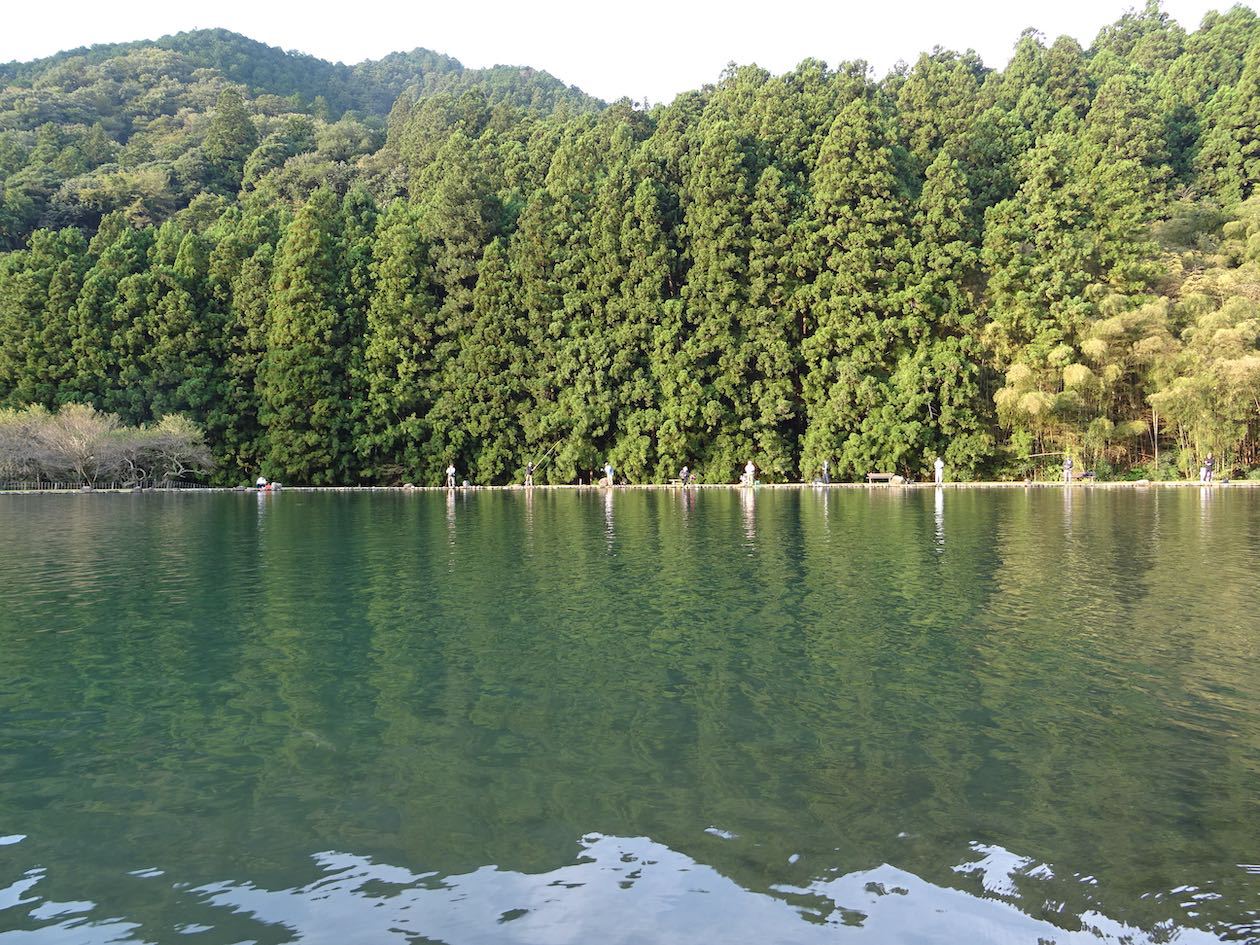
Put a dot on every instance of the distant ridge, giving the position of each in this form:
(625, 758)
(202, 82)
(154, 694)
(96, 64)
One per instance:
(370, 87)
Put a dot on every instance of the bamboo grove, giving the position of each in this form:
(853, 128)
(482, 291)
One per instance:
(993, 266)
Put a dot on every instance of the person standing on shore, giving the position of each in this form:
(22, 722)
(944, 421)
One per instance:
(450, 476)
(939, 468)
(529, 474)
(608, 472)
(1209, 466)
(750, 474)
(1067, 470)
(826, 472)
(684, 475)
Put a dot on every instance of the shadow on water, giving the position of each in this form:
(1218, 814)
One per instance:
(1012, 716)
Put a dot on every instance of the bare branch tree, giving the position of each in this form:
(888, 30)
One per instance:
(137, 453)
(180, 447)
(78, 441)
(22, 454)
(81, 443)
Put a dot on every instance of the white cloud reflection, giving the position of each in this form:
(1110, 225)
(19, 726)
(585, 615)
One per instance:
(634, 890)
(618, 891)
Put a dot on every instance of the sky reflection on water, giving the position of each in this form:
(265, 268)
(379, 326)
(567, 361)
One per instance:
(619, 890)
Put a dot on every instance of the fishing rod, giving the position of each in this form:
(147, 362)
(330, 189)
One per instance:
(547, 455)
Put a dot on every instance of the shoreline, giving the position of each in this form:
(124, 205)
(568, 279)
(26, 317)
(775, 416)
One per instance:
(657, 487)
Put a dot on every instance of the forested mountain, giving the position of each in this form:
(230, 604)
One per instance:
(80, 76)
(143, 127)
(992, 265)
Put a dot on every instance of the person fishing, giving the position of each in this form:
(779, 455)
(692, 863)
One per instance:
(684, 475)
(532, 467)
(450, 476)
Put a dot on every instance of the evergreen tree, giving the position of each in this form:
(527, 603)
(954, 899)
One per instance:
(938, 382)
(1229, 161)
(230, 139)
(643, 341)
(39, 289)
(459, 214)
(937, 102)
(585, 272)
(570, 412)
(399, 373)
(710, 406)
(102, 316)
(240, 279)
(360, 217)
(485, 391)
(184, 360)
(1067, 76)
(623, 309)
(304, 376)
(856, 308)
(772, 321)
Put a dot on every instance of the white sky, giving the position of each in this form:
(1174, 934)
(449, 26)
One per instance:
(643, 48)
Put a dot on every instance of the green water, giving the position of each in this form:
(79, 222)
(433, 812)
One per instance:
(888, 717)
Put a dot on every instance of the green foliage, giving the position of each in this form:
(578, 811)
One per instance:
(304, 377)
(483, 394)
(398, 382)
(990, 266)
(230, 139)
(854, 417)
(144, 128)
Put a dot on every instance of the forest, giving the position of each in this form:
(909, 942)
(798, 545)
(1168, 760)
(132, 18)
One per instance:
(359, 274)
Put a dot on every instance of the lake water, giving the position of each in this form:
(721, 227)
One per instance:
(895, 716)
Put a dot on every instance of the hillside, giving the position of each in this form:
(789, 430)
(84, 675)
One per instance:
(123, 126)
(999, 267)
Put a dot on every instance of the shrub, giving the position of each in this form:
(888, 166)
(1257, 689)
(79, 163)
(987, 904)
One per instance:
(79, 442)
(1167, 470)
